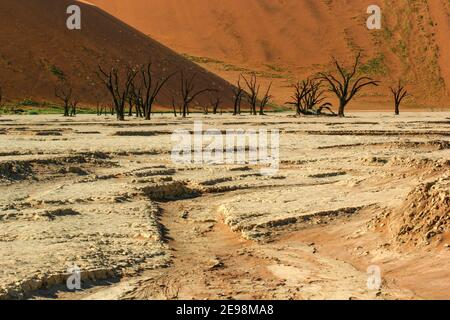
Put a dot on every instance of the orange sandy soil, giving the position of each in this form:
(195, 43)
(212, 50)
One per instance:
(39, 49)
(288, 40)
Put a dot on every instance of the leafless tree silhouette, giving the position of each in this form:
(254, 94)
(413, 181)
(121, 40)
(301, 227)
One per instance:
(97, 98)
(206, 109)
(119, 91)
(308, 98)
(151, 87)
(265, 100)
(300, 91)
(314, 97)
(135, 99)
(189, 93)
(64, 92)
(399, 93)
(131, 99)
(253, 92)
(349, 85)
(73, 107)
(239, 93)
(174, 106)
(215, 103)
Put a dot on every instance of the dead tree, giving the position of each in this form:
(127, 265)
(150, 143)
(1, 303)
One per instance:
(399, 93)
(238, 95)
(189, 93)
(135, 99)
(64, 92)
(349, 85)
(253, 92)
(151, 88)
(314, 96)
(206, 109)
(73, 107)
(265, 100)
(119, 91)
(308, 97)
(98, 108)
(130, 100)
(97, 95)
(215, 103)
(301, 90)
(102, 109)
(174, 106)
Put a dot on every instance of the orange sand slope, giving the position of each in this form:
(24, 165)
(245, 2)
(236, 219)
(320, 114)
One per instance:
(289, 39)
(37, 48)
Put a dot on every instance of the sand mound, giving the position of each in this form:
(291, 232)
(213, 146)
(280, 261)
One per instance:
(38, 50)
(425, 214)
(281, 39)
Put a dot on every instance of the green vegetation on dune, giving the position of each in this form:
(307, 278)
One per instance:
(275, 72)
(32, 107)
(376, 66)
(53, 69)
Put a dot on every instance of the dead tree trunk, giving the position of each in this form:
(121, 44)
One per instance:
(73, 107)
(174, 106)
(63, 91)
(130, 100)
(399, 93)
(347, 87)
(238, 95)
(215, 103)
(265, 100)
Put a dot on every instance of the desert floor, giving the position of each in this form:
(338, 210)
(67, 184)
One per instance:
(368, 190)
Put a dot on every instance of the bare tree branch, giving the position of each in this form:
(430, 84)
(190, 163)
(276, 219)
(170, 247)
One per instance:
(238, 95)
(189, 93)
(399, 93)
(253, 92)
(119, 90)
(63, 91)
(346, 88)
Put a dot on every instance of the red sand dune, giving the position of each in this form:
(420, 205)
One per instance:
(297, 37)
(35, 41)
